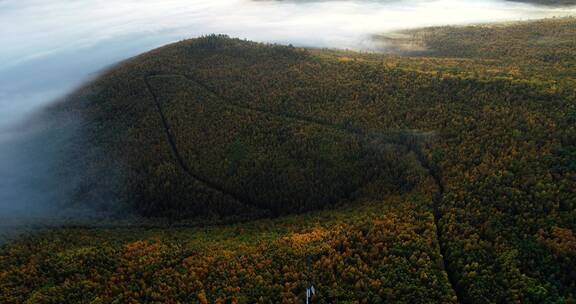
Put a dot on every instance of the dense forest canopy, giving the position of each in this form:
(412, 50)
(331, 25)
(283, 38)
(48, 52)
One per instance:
(447, 177)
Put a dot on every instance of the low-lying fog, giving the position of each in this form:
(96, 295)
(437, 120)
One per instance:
(48, 47)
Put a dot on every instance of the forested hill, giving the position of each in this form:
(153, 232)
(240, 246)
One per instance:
(544, 41)
(376, 178)
(216, 127)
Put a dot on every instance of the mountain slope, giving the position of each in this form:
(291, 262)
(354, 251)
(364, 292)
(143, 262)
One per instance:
(440, 179)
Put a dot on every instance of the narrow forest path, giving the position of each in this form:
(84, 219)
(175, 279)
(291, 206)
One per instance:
(437, 201)
(171, 141)
(391, 137)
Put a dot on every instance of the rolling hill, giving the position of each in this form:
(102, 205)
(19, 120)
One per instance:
(446, 177)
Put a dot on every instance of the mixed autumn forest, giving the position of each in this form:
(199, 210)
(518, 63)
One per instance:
(442, 175)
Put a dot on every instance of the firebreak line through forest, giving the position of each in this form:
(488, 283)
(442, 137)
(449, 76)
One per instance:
(413, 147)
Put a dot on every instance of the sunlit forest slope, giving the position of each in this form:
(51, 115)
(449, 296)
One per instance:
(447, 177)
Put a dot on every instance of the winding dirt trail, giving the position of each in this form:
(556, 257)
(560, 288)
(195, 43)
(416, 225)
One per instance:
(398, 137)
(237, 196)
